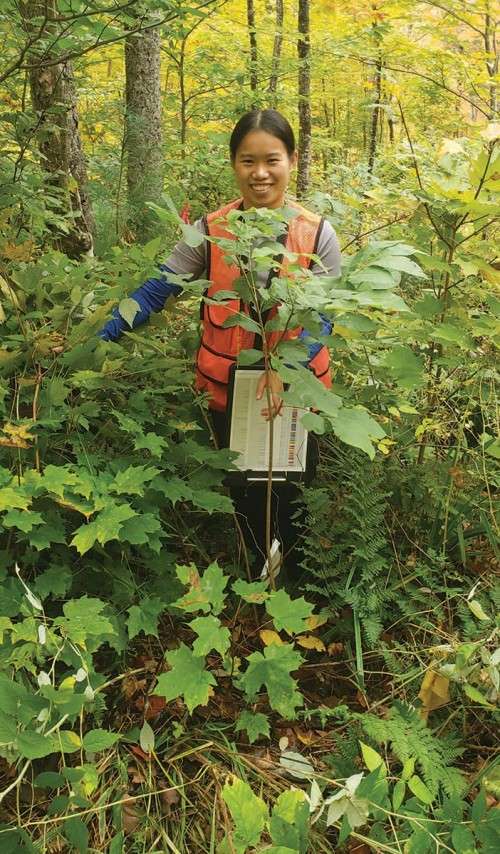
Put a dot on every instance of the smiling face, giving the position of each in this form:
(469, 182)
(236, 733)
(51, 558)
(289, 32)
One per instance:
(262, 168)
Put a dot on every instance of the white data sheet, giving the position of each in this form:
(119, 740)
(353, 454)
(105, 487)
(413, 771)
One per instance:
(250, 431)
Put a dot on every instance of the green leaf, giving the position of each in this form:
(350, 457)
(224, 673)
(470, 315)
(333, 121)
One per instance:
(34, 745)
(106, 526)
(420, 790)
(313, 422)
(99, 739)
(83, 619)
(67, 741)
(128, 309)
(478, 610)
(248, 812)
(206, 592)
(25, 520)
(211, 635)
(243, 320)
(255, 724)
(144, 617)
(254, 592)
(250, 357)
(13, 499)
(463, 839)
(406, 367)
(272, 669)
(373, 759)
(398, 794)
(142, 530)
(55, 581)
(147, 738)
(355, 427)
(132, 481)
(187, 678)
(77, 834)
(288, 614)
(476, 696)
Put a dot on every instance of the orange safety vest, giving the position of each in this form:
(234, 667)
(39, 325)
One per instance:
(220, 345)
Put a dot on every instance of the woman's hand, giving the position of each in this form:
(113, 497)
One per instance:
(272, 380)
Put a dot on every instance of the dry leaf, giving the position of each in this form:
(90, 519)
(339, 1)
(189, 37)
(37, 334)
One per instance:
(269, 637)
(316, 620)
(306, 738)
(131, 815)
(169, 798)
(335, 648)
(434, 692)
(18, 252)
(311, 642)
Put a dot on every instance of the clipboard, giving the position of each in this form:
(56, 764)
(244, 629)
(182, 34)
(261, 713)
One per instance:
(248, 431)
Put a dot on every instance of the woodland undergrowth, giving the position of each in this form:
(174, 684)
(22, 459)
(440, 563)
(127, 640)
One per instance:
(152, 694)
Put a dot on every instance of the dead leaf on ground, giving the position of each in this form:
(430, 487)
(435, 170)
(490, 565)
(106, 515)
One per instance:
(169, 799)
(131, 815)
(269, 637)
(434, 692)
(311, 642)
(335, 648)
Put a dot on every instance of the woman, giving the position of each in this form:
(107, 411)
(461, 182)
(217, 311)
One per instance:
(263, 155)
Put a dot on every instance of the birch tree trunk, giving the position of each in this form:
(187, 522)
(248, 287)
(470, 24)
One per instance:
(492, 58)
(277, 45)
(143, 135)
(252, 35)
(54, 100)
(304, 91)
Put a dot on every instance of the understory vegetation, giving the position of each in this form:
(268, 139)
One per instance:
(153, 694)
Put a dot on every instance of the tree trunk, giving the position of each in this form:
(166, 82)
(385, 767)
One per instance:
(278, 42)
(253, 45)
(377, 87)
(304, 92)
(491, 59)
(143, 137)
(54, 101)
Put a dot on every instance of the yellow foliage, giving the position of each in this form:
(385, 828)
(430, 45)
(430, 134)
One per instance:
(269, 637)
(311, 642)
(434, 692)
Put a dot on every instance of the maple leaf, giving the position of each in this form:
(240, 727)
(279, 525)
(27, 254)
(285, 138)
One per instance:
(272, 669)
(211, 635)
(206, 592)
(133, 480)
(255, 724)
(254, 592)
(187, 678)
(144, 617)
(83, 618)
(288, 614)
(248, 812)
(25, 520)
(106, 526)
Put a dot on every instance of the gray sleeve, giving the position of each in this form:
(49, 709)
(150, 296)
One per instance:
(328, 250)
(187, 260)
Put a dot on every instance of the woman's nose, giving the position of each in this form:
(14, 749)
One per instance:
(260, 170)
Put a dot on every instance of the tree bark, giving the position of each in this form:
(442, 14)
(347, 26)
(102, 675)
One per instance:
(304, 92)
(54, 100)
(253, 45)
(372, 150)
(143, 136)
(277, 45)
(492, 58)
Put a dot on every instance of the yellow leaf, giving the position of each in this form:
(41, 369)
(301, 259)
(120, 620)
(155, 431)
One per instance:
(18, 252)
(68, 684)
(311, 642)
(269, 637)
(20, 431)
(434, 692)
(316, 620)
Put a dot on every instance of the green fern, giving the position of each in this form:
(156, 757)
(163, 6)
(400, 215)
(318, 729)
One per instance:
(346, 552)
(410, 738)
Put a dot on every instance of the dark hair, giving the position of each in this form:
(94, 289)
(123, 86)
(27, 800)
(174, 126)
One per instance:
(270, 121)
